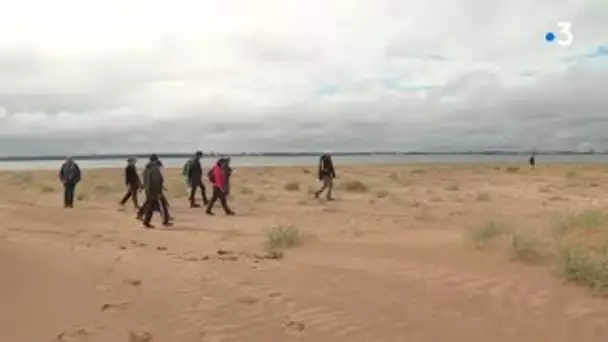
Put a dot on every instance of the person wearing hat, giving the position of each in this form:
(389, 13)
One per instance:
(133, 183)
(154, 186)
(195, 180)
(326, 174)
(69, 175)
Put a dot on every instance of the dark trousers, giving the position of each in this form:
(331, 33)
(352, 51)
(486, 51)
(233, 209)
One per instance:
(132, 194)
(221, 195)
(153, 203)
(195, 185)
(68, 194)
(328, 183)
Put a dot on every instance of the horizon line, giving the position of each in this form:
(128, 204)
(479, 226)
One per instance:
(95, 156)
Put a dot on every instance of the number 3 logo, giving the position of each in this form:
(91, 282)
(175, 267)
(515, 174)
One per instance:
(565, 33)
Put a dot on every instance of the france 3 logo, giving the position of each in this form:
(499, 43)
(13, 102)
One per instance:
(564, 37)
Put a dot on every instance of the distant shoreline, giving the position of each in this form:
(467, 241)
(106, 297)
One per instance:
(289, 154)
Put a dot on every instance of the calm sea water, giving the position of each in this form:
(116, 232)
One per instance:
(309, 161)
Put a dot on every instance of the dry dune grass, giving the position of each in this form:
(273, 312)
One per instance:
(387, 259)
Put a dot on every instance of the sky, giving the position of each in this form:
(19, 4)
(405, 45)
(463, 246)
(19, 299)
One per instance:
(121, 76)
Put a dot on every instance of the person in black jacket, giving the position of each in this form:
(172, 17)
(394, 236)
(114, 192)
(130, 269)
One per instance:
(69, 175)
(326, 174)
(154, 186)
(133, 183)
(532, 161)
(195, 180)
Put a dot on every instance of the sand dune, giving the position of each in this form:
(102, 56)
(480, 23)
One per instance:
(411, 253)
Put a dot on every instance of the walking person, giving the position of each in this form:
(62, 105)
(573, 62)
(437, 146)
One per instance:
(195, 180)
(133, 183)
(532, 161)
(155, 206)
(228, 173)
(326, 174)
(218, 178)
(186, 172)
(69, 175)
(154, 186)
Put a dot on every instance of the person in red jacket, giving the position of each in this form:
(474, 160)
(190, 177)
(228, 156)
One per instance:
(218, 177)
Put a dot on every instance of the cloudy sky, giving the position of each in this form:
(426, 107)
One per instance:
(94, 76)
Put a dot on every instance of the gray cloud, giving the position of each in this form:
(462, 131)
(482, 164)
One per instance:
(365, 75)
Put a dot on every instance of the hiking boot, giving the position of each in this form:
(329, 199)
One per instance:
(195, 205)
(167, 224)
(208, 212)
(149, 226)
(230, 213)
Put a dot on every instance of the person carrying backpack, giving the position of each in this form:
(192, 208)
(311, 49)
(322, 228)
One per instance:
(186, 171)
(217, 177)
(326, 174)
(154, 186)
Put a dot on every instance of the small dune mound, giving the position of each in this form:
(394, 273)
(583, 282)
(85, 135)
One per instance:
(355, 186)
(382, 194)
(452, 187)
(47, 189)
(483, 196)
(292, 186)
(246, 190)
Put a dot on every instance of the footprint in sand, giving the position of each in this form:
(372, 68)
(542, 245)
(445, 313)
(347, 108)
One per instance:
(295, 325)
(138, 244)
(140, 337)
(132, 282)
(248, 300)
(228, 257)
(114, 306)
(70, 335)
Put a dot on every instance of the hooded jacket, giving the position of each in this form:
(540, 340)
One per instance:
(69, 173)
(153, 179)
(326, 167)
(131, 176)
(195, 171)
(219, 176)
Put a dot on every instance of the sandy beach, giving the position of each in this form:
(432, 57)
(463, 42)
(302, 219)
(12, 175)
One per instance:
(405, 253)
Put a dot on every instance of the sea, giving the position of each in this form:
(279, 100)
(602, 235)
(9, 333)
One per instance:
(252, 161)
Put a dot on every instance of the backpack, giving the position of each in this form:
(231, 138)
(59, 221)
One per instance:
(186, 168)
(211, 175)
